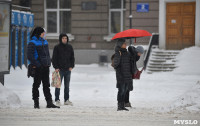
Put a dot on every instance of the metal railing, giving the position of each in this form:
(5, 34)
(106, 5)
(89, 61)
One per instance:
(154, 40)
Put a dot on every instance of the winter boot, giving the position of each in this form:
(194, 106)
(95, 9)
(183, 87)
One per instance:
(36, 104)
(119, 106)
(51, 105)
(123, 107)
(128, 105)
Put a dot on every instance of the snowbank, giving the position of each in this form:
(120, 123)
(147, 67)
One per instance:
(188, 61)
(190, 100)
(8, 98)
(188, 67)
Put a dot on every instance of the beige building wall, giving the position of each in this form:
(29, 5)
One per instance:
(90, 26)
(146, 21)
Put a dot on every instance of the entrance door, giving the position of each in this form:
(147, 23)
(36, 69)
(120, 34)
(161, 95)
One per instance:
(180, 25)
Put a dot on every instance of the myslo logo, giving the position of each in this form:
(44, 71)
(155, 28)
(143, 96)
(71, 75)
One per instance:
(185, 122)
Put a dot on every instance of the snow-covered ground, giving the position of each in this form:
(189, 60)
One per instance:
(156, 98)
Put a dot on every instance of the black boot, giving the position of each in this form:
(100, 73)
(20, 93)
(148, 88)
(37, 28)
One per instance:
(128, 104)
(51, 105)
(123, 107)
(119, 106)
(36, 104)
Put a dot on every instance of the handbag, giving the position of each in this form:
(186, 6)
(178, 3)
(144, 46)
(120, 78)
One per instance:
(137, 74)
(31, 71)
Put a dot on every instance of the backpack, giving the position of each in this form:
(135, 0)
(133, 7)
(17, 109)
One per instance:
(112, 58)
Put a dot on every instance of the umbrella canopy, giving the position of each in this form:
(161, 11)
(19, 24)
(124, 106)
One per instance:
(132, 33)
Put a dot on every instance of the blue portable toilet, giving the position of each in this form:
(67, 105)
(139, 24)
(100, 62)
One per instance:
(24, 22)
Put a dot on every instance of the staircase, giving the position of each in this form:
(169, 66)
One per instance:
(161, 60)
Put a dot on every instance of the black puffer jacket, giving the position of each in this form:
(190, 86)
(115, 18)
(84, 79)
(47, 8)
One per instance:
(123, 66)
(63, 56)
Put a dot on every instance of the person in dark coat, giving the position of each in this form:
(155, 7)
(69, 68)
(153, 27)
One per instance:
(135, 54)
(38, 55)
(63, 62)
(123, 66)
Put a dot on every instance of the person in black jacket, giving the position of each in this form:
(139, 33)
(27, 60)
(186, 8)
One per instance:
(123, 66)
(38, 55)
(63, 62)
(135, 54)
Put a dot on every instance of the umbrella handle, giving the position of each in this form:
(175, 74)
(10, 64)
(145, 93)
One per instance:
(135, 40)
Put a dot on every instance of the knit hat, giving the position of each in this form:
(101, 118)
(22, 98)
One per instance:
(120, 42)
(140, 49)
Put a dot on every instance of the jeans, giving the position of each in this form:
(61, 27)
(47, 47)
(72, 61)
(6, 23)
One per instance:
(122, 89)
(66, 75)
(41, 75)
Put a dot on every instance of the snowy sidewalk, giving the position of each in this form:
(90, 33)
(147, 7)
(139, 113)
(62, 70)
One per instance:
(158, 98)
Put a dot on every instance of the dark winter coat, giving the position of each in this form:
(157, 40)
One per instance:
(134, 56)
(38, 52)
(63, 56)
(123, 66)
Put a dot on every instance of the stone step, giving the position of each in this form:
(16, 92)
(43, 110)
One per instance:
(158, 70)
(164, 64)
(162, 61)
(166, 51)
(164, 55)
(152, 71)
(158, 60)
(159, 57)
(160, 66)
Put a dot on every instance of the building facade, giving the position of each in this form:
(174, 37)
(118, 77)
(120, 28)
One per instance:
(91, 24)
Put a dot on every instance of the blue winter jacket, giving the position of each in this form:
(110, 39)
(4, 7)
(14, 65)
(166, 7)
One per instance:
(38, 52)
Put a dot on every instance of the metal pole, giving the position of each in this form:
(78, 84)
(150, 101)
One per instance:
(130, 18)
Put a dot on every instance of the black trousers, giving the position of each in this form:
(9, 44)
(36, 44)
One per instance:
(41, 75)
(127, 97)
(122, 89)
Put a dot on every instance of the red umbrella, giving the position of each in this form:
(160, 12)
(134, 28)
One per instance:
(132, 33)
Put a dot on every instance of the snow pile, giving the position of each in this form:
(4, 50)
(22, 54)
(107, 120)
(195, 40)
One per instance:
(8, 98)
(188, 61)
(188, 67)
(190, 100)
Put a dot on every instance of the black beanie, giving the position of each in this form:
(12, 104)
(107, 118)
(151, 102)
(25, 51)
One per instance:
(37, 32)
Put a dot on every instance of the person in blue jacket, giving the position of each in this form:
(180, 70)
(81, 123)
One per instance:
(39, 57)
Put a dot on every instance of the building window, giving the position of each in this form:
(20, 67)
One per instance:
(117, 16)
(57, 16)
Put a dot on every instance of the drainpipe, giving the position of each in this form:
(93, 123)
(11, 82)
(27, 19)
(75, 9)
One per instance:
(130, 19)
